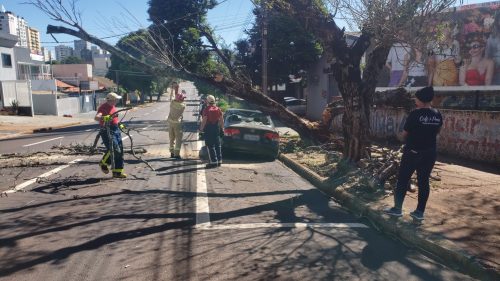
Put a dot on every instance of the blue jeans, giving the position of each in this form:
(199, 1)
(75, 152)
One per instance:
(117, 147)
(212, 141)
(421, 161)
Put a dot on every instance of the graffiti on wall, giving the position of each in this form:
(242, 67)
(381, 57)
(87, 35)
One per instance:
(471, 134)
(472, 100)
(468, 134)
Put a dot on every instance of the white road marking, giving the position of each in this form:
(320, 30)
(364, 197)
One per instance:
(202, 209)
(26, 145)
(88, 130)
(146, 114)
(281, 225)
(29, 202)
(125, 137)
(47, 174)
(147, 127)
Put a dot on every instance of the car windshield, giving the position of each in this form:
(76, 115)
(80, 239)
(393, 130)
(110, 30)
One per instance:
(248, 116)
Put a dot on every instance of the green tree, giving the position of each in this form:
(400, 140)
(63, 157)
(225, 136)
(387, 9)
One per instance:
(176, 25)
(127, 74)
(72, 60)
(291, 48)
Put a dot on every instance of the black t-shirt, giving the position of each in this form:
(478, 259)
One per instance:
(423, 126)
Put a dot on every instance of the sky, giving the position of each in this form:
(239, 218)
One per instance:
(112, 18)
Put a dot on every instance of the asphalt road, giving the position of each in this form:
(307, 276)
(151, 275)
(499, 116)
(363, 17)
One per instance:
(247, 220)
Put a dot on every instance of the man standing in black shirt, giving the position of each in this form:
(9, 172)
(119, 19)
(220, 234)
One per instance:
(419, 154)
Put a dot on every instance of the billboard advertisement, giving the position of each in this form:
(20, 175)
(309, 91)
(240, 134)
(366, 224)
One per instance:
(466, 52)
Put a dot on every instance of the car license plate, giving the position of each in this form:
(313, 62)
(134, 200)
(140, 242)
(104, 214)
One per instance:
(251, 137)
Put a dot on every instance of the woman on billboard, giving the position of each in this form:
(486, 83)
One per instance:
(493, 49)
(444, 56)
(414, 73)
(477, 70)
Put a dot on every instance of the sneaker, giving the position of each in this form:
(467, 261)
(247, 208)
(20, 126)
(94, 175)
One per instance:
(172, 155)
(119, 175)
(104, 168)
(178, 157)
(417, 215)
(211, 165)
(395, 212)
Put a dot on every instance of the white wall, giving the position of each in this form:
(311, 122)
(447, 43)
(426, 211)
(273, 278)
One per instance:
(81, 71)
(8, 73)
(15, 90)
(68, 106)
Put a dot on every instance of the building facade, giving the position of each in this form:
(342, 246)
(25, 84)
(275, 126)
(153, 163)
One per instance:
(101, 63)
(14, 25)
(34, 40)
(81, 46)
(7, 57)
(63, 51)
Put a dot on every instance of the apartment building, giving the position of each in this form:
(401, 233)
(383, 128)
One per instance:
(14, 25)
(81, 46)
(34, 40)
(63, 51)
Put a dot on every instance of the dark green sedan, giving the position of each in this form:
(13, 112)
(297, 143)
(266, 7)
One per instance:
(250, 131)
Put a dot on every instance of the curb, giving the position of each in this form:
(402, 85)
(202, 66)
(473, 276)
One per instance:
(446, 251)
(46, 129)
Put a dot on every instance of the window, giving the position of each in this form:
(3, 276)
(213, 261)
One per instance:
(6, 60)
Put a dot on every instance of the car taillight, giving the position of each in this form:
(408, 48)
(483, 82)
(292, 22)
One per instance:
(228, 132)
(272, 136)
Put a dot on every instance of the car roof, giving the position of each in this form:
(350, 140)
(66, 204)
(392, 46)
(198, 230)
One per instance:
(244, 110)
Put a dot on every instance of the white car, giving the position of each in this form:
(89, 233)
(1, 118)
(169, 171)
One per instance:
(297, 106)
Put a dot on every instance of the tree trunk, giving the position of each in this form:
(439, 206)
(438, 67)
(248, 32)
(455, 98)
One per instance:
(355, 122)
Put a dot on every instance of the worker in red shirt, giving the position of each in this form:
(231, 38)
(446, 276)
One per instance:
(212, 123)
(112, 138)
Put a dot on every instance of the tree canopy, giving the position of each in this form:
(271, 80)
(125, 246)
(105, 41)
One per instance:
(127, 74)
(72, 60)
(292, 48)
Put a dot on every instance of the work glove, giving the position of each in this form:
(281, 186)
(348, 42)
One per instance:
(106, 118)
(122, 126)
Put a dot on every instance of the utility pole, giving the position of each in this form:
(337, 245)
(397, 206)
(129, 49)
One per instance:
(264, 48)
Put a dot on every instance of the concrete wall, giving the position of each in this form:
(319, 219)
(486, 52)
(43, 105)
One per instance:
(468, 134)
(15, 90)
(68, 106)
(45, 104)
(8, 73)
(471, 134)
(43, 85)
(81, 72)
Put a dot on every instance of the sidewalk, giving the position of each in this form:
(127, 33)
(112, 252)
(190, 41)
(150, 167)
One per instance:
(12, 126)
(462, 225)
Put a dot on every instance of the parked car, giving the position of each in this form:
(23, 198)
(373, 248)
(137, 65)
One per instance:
(250, 131)
(297, 106)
